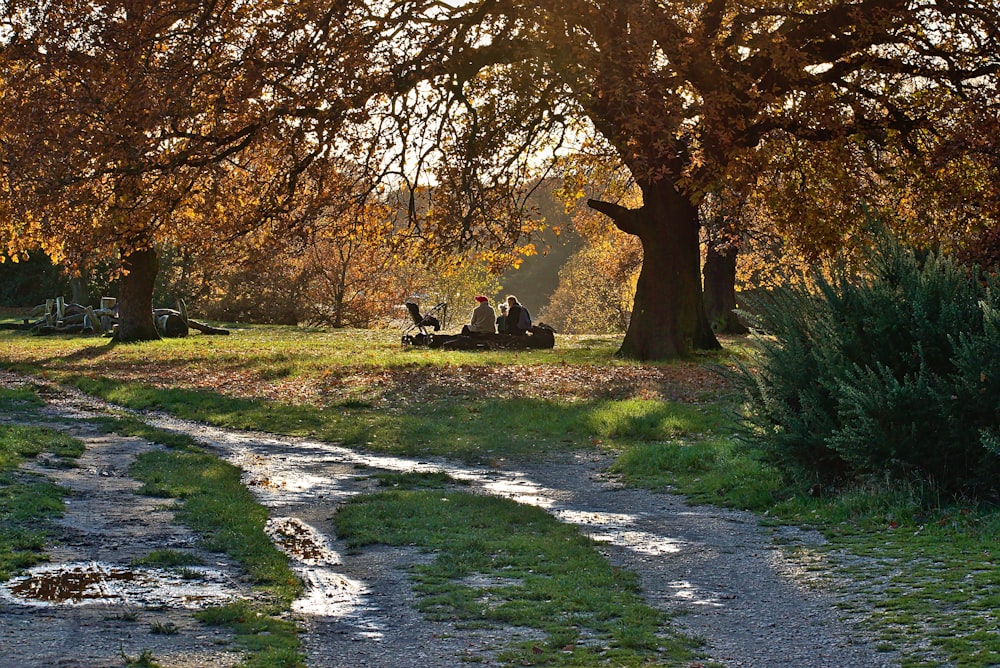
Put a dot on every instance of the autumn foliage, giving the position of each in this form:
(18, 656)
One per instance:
(134, 126)
(139, 124)
(597, 288)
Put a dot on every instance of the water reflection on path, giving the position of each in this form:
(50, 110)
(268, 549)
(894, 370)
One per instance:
(285, 473)
(736, 587)
(90, 583)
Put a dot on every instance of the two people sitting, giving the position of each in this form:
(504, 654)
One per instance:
(513, 318)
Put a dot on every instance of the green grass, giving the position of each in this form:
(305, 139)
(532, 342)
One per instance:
(128, 425)
(26, 503)
(270, 642)
(476, 429)
(18, 401)
(163, 628)
(709, 470)
(19, 442)
(145, 659)
(497, 562)
(930, 574)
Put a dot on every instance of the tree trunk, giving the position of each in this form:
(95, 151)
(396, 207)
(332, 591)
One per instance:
(80, 288)
(135, 297)
(668, 315)
(720, 288)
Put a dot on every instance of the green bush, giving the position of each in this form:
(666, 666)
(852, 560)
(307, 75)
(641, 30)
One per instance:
(894, 370)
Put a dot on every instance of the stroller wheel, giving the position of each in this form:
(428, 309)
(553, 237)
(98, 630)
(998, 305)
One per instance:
(407, 340)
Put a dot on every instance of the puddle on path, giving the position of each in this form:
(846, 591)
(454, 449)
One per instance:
(327, 592)
(301, 541)
(96, 583)
(330, 594)
(613, 528)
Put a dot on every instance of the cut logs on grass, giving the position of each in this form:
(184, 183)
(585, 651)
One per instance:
(57, 317)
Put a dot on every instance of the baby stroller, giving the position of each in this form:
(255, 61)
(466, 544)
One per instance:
(416, 333)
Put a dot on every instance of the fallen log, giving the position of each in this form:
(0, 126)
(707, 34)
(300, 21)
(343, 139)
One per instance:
(170, 322)
(207, 329)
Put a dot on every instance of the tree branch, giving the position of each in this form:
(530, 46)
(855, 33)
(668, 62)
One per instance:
(625, 219)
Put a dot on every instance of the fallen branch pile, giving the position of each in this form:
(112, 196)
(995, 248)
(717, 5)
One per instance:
(57, 317)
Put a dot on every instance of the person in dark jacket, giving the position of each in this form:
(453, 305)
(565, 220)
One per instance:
(502, 320)
(515, 319)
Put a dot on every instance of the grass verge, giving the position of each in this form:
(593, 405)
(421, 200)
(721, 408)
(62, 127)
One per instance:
(497, 563)
(928, 574)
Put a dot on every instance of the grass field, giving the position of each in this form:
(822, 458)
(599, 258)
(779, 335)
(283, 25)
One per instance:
(668, 426)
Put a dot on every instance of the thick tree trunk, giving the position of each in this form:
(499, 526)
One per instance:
(135, 297)
(720, 289)
(668, 316)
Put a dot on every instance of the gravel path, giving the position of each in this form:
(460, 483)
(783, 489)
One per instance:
(724, 575)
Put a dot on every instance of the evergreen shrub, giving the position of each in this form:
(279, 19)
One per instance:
(893, 372)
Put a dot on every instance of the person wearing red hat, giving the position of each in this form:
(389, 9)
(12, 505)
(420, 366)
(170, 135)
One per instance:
(483, 319)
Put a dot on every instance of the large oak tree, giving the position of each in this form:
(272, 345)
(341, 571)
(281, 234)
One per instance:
(680, 92)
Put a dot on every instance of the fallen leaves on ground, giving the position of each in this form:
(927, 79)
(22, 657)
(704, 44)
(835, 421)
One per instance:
(402, 386)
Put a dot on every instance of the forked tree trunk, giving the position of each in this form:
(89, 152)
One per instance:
(668, 316)
(135, 297)
(720, 288)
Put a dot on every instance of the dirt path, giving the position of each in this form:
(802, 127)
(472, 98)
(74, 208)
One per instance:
(90, 605)
(732, 584)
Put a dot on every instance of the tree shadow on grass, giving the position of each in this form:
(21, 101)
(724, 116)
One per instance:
(472, 430)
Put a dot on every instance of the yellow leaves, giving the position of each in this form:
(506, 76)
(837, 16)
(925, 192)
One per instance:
(57, 254)
(188, 215)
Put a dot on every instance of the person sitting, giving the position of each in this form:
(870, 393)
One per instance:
(482, 320)
(502, 320)
(518, 318)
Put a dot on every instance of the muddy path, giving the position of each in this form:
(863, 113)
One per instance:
(91, 605)
(725, 576)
